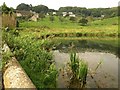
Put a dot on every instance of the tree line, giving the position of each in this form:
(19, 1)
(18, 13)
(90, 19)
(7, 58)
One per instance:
(82, 11)
(95, 12)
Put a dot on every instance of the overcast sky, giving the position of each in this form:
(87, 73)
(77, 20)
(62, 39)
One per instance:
(55, 4)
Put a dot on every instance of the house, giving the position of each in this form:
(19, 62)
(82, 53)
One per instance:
(34, 17)
(102, 16)
(24, 13)
(54, 13)
(18, 14)
(64, 14)
(72, 15)
(47, 14)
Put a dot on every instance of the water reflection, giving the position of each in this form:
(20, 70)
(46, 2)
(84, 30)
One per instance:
(88, 45)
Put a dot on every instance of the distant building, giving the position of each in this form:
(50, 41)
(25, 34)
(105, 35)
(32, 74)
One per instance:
(24, 13)
(102, 16)
(34, 17)
(72, 15)
(54, 13)
(64, 14)
(18, 14)
(47, 14)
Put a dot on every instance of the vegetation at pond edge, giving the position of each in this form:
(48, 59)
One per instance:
(37, 62)
(79, 69)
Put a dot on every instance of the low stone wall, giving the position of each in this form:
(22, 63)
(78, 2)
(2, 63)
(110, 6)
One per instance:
(15, 77)
(8, 20)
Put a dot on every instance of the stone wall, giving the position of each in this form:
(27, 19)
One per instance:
(14, 76)
(8, 20)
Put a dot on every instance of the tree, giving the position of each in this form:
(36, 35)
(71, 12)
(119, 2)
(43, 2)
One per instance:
(40, 9)
(5, 9)
(52, 18)
(72, 19)
(90, 18)
(24, 7)
(83, 21)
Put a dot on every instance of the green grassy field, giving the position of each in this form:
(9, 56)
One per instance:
(103, 27)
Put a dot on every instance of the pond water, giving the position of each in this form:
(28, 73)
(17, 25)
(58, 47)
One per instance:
(92, 51)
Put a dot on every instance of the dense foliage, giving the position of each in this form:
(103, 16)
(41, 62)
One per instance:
(24, 7)
(95, 12)
(6, 9)
(40, 9)
(83, 21)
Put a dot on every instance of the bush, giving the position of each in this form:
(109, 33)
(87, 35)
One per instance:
(83, 21)
(52, 18)
(72, 19)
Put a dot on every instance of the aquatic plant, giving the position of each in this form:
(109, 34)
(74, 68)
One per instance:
(79, 68)
(101, 61)
(74, 63)
(82, 71)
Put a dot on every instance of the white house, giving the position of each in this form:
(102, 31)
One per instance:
(54, 13)
(18, 14)
(102, 16)
(47, 14)
(72, 15)
(34, 17)
(64, 14)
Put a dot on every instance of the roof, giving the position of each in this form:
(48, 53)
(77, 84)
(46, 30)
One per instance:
(25, 13)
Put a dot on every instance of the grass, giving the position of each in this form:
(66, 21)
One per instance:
(105, 27)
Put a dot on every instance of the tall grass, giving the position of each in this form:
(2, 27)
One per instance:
(79, 68)
(74, 63)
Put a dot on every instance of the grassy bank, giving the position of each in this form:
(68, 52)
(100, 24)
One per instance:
(36, 61)
(105, 27)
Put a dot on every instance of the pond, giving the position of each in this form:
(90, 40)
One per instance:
(93, 51)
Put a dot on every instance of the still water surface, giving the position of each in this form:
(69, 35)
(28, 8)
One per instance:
(92, 51)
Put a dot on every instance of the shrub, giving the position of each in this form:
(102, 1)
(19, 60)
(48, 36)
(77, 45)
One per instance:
(72, 19)
(52, 18)
(83, 21)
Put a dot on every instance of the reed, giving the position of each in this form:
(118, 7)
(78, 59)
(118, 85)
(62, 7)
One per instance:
(79, 68)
